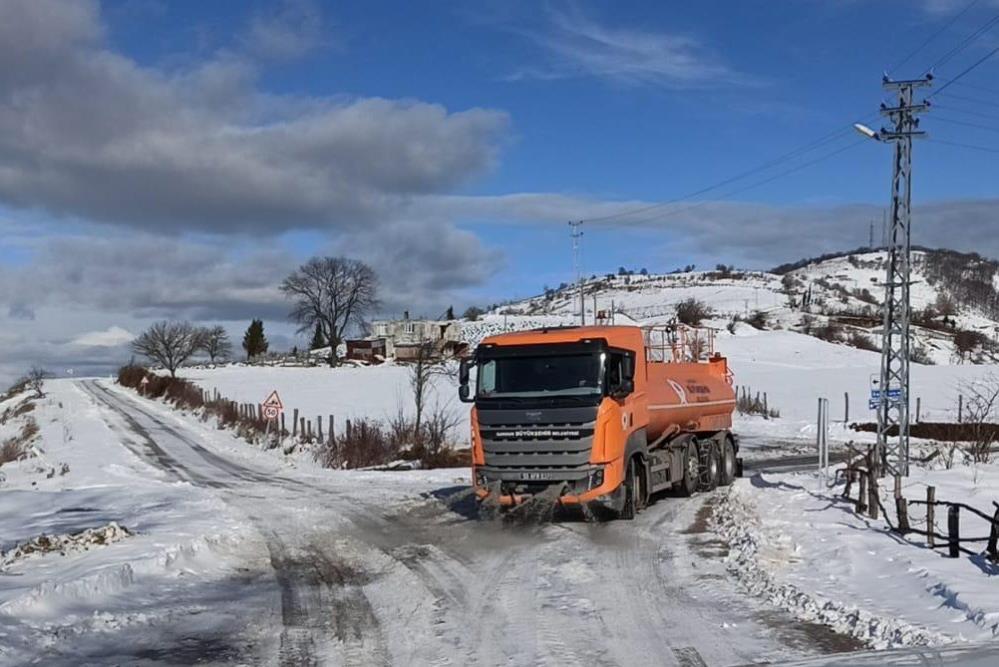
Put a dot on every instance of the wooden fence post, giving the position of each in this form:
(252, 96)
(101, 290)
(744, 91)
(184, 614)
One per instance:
(931, 511)
(960, 408)
(873, 502)
(993, 548)
(901, 507)
(283, 431)
(846, 407)
(332, 439)
(902, 510)
(954, 531)
(766, 411)
(319, 428)
(919, 405)
(294, 424)
(862, 494)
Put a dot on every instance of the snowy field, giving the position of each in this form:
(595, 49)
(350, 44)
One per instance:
(792, 368)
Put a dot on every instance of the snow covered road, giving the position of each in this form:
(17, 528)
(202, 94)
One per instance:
(359, 568)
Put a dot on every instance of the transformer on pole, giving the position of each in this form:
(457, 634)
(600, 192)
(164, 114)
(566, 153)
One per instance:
(576, 234)
(893, 396)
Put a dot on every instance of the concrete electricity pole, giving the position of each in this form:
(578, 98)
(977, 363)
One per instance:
(577, 235)
(893, 397)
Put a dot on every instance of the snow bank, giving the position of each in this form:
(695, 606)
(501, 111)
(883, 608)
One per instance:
(804, 550)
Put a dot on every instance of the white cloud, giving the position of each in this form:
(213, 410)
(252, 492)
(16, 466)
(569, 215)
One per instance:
(86, 132)
(579, 46)
(291, 30)
(113, 336)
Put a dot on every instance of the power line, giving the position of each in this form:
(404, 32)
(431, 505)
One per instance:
(974, 86)
(966, 42)
(780, 159)
(969, 112)
(984, 149)
(952, 121)
(936, 34)
(967, 70)
(668, 214)
(973, 100)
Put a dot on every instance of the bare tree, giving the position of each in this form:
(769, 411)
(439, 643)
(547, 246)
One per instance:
(215, 343)
(331, 293)
(169, 344)
(426, 365)
(35, 380)
(981, 405)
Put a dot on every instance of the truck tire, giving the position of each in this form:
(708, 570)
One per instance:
(728, 462)
(691, 469)
(710, 465)
(632, 489)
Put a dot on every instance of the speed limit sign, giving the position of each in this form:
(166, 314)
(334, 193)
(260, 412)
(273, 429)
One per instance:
(272, 407)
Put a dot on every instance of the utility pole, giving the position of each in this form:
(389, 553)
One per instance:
(576, 234)
(893, 402)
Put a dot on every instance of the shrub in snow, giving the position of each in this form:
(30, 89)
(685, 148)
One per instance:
(18, 447)
(65, 544)
(692, 312)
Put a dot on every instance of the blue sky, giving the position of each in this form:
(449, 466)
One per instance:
(448, 143)
(785, 73)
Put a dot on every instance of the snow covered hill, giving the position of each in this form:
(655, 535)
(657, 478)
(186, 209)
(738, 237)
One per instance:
(955, 300)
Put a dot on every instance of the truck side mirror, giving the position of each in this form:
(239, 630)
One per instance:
(463, 391)
(628, 370)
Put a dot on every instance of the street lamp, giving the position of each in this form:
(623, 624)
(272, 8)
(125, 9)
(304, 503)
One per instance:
(866, 131)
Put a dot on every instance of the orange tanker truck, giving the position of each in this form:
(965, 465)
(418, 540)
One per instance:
(601, 417)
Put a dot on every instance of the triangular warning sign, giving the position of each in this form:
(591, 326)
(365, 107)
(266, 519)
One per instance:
(273, 401)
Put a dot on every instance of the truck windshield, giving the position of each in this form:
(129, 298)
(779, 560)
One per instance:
(532, 376)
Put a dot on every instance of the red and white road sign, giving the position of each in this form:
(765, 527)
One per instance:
(272, 406)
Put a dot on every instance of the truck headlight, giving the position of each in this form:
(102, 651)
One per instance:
(596, 478)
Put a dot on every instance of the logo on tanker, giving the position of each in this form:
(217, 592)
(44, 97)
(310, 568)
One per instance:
(681, 393)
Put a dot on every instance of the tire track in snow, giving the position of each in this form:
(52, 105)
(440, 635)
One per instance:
(302, 580)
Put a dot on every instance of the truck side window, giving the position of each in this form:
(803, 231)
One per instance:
(614, 371)
(487, 377)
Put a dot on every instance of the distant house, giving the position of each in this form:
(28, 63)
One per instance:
(404, 337)
(366, 349)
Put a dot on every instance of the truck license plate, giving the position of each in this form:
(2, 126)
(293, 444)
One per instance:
(537, 476)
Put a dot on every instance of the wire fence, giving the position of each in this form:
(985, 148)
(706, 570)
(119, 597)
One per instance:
(862, 472)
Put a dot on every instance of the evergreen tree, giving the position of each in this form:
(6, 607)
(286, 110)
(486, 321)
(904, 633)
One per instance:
(318, 340)
(254, 341)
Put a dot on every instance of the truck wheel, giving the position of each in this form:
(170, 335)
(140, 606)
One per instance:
(727, 462)
(632, 487)
(710, 465)
(691, 469)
